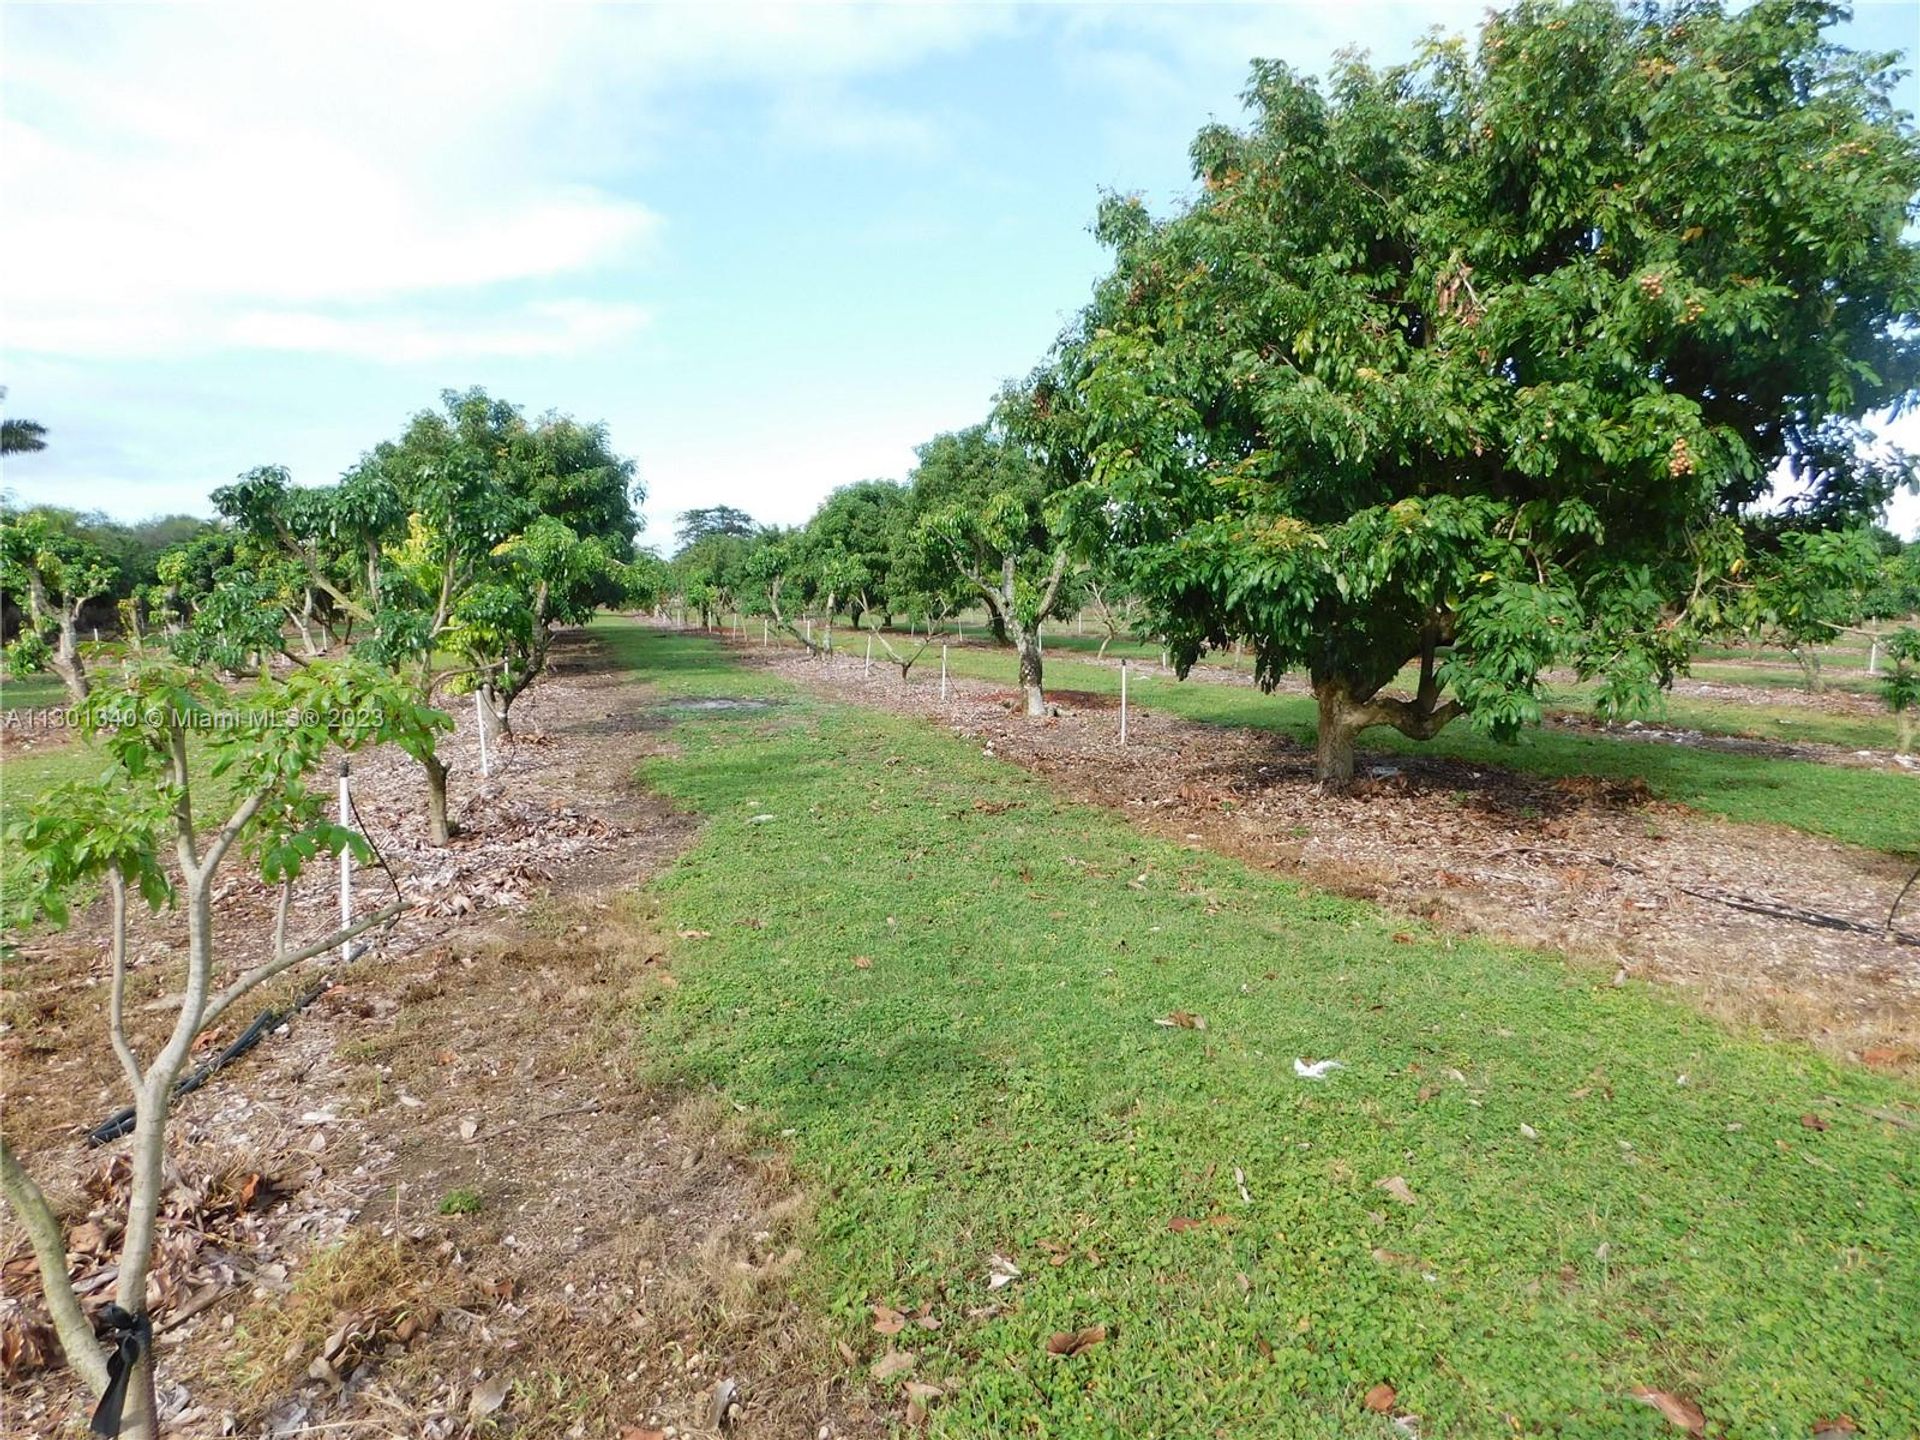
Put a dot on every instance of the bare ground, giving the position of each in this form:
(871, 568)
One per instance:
(1759, 924)
(439, 1202)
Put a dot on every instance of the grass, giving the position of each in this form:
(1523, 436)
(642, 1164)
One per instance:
(991, 1080)
(1875, 808)
(32, 692)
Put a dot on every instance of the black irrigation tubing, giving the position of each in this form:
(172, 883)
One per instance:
(121, 1122)
(1774, 909)
(1894, 909)
(1819, 920)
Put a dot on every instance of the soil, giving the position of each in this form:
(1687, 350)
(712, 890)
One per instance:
(443, 1199)
(1759, 924)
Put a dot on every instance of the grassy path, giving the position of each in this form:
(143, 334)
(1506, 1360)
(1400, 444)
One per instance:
(1876, 808)
(937, 984)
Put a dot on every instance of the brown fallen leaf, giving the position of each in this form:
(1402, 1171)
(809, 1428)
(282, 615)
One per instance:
(894, 1362)
(886, 1320)
(846, 1352)
(1813, 1122)
(1072, 1342)
(1380, 1398)
(1835, 1427)
(1182, 1020)
(1397, 1187)
(919, 1394)
(1884, 1057)
(863, 962)
(641, 1432)
(89, 1238)
(1680, 1412)
(489, 1396)
(696, 934)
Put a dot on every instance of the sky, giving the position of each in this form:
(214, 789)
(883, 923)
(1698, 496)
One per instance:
(772, 247)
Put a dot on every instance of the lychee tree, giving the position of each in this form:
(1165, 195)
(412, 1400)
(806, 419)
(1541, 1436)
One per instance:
(1482, 363)
(146, 830)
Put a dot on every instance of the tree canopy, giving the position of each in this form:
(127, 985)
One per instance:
(1479, 362)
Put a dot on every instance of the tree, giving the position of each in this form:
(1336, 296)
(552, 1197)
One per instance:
(858, 531)
(987, 511)
(708, 573)
(1118, 610)
(698, 525)
(134, 830)
(1901, 685)
(20, 437)
(1477, 363)
(1803, 592)
(58, 574)
(545, 576)
(438, 544)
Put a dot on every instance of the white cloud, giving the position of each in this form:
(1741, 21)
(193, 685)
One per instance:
(178, 171)
(559, 327)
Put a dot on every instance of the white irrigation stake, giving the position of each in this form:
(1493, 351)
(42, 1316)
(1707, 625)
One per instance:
(765, 634)
(1123, 701)
(943, 674)
(96, 634)
(346, 865)
(480, 719)
(869, 654)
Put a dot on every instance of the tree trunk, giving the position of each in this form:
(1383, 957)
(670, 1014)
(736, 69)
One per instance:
(439, 832)
(66, 657)
(495, 704)
(1333, 740)
(1030, 668)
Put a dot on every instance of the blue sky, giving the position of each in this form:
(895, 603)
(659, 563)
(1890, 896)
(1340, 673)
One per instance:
(773, 247)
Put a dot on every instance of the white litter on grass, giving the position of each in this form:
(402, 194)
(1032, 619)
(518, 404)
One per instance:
(758, 819)
(1318, 1070)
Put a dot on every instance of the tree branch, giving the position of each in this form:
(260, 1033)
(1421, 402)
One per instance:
(1053, 585)
(230, 831)
(117, 994)
(29, 1202)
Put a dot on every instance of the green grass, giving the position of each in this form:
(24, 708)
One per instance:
(31, 692)
(993, 1082)
(1876, 808)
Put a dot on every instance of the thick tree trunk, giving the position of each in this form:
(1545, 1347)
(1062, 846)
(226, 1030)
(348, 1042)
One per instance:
(1030, 671)
(439, 832)
(1333, 741)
